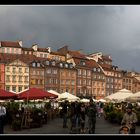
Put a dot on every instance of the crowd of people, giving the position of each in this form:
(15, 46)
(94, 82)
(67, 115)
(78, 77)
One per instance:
(77, 112)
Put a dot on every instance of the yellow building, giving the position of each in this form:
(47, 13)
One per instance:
(16, 76)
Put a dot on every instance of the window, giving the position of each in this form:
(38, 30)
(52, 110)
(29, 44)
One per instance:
(19, 88)
(7, 88)
(26, 78)
(61, 64)
(32, 81)
(41, 55)
(7, 69)
(14, 70)
(25, 52)
(34, 64)
(94, 69)
(14, 88)
(26, 70)
(83, 63)
(66, 65)
(45, 55)
(79, 72)
(48, 71)
(88, 73)
(71, 65)
(73, 82)
(12, 50)
(8, 50)
(67, 82)
(38, 64)
(47, 62)
(94, 76)
(84, 72)
(54, 71)
(16, 51)
(26, 87)
(7, 78)
(20, 79)
(20, 70)
(99, 70)
(14, 78)
(79, 82)
(84, 82)
(30, 52)
(3, 50)
(42, 73)
(53, 63)
(34, 72)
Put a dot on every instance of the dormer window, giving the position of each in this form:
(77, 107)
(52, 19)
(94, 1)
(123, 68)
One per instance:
(83, 63)
(38, 64)
(94, 69)
(71, 66)
(99, 70)
(34, 64)
(53, 63)
(47, 62)
(61, 64)
(66, 65)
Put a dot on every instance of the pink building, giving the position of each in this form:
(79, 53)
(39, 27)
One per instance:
(2, 76)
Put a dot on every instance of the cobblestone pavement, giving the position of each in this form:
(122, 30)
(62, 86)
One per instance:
(55, 127)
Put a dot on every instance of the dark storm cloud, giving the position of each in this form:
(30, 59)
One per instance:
(113, 30)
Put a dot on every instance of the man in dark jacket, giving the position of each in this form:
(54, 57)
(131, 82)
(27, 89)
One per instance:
(91, 113)
(65, 113)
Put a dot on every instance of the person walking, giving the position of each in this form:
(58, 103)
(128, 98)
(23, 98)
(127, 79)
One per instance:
(2, 117)
(82, 118)
(65, 113)
(91, 113)
(130, 119)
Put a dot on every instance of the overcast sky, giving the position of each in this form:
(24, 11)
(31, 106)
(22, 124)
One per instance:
(113, 30)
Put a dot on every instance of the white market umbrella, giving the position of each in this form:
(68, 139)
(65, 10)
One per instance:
(119, 96)
(68, 96)
(54, 92)
(134, 97)
(102, 100)
(84, 100)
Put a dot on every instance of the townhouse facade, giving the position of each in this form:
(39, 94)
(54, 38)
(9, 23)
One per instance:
(83, 75)
(16, 76)
(36, 73)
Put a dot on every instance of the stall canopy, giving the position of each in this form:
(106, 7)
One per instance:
(7, 95)
(35, 93)
(54, 92)
(68, 96)
(119, 96)
(84, 100)
(134, 97)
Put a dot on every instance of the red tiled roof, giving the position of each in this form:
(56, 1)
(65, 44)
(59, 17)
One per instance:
(77, 54)
(105, 57)
(57, 53)
(7, 58)
(88, 63)
(10, 44)
(43, 50)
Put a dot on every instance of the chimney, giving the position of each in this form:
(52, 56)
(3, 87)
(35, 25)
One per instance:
(20, 43)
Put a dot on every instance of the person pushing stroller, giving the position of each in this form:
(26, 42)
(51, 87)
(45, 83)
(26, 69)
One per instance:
(130, 119)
